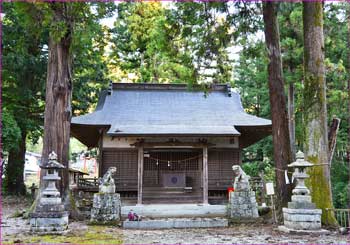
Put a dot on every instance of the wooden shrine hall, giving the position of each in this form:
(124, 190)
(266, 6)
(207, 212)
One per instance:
(170, 143)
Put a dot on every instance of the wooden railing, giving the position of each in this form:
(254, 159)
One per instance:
(342, 216)
(87, 183)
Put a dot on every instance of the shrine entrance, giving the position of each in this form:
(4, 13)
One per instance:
(173, 176)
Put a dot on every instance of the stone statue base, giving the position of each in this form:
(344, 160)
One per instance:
(106, 208)
(243, 204)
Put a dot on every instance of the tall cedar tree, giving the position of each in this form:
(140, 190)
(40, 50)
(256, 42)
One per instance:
(280, 132)
(58, 92)
(348, 40)
(23, 61)
(315, 110)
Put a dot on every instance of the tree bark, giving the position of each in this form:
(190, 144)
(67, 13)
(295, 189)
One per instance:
(315, 110)
(15, 168)
(280, 132)
(291, 119)
(58, 96)
(332, 138)
(348, 88)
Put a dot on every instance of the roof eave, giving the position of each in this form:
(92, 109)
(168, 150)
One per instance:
(171, 135)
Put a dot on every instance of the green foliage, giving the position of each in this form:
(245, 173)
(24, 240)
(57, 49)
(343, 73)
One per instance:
(185, 42)
(11, 133)
(24, 67)
(256, 168)
(144, 46)
(26, 29)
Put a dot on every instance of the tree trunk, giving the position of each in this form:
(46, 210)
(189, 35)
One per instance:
(291, 119)
(348, 119)
(15, 168)
(58, 97)
(315, 110)
(280, 132)
(332, 138)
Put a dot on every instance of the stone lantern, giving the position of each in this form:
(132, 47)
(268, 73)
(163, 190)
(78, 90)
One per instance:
(49, 215)
(301, 214)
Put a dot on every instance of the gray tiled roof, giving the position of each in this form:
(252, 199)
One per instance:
(147, 111)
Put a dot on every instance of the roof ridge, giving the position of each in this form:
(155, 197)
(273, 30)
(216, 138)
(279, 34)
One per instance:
(172, 86)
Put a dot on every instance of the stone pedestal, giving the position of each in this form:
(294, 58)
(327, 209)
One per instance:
(49, 222)
(302, 219)
(106, 208)
(243, 204)
(242, 199)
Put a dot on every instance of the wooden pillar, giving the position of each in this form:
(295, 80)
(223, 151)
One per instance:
(100, 153)
(205, 175)
(139, 175)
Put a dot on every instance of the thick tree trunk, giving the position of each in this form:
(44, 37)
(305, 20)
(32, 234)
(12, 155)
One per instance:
(315, 110)
(348, 88)
(58, 97)
(280, 132)
(15, 168)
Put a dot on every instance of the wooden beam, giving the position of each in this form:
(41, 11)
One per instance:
(167, 144)
(205, 175)
(139, 175)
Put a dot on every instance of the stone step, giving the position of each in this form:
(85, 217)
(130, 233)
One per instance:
(176, 223)
(158, 211)
(172, 197)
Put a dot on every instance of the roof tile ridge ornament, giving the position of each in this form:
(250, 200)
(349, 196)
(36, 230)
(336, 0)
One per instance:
(110, 88)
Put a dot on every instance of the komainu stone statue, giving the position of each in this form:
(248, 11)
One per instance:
(242, 199)
(106, 204)
(241, 181)
(107, 184)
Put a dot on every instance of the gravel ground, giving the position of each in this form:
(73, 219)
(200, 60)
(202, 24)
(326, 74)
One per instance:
(240, 234)
(15, 230)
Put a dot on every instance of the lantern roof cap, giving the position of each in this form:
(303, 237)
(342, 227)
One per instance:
(52, 162)
(300, 162)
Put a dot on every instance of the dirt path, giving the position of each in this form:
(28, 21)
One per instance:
(242, 234)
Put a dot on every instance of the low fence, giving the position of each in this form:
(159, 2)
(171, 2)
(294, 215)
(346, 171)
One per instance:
(342, 216)
(257, 184)
(88, 183)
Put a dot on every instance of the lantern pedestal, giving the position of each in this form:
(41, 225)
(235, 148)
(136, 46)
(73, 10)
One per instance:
(301, 216)
(49, 216)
